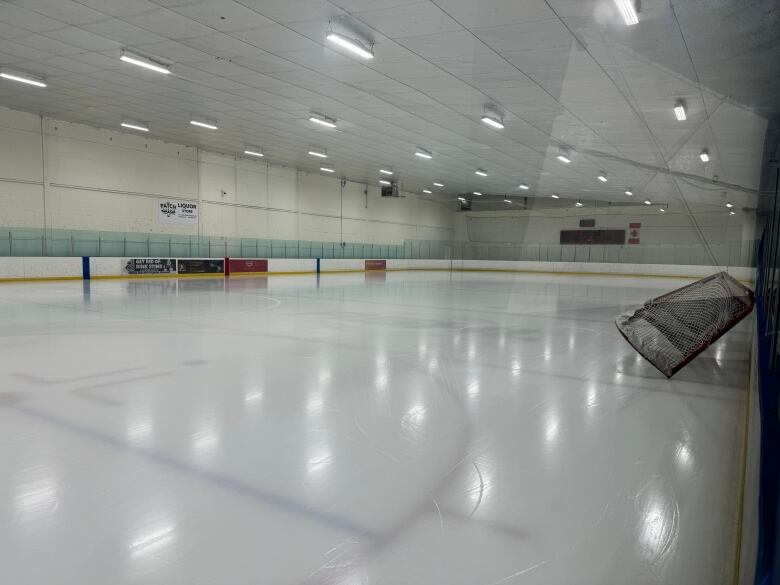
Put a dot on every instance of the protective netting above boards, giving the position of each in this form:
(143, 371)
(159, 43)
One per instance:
(670, 330)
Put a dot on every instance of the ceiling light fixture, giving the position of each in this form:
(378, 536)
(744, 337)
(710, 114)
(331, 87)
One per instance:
(732, 212)
(146, 63)
(507, 201)
(648, 202)
(322, 120)
(477, 193)
(679, 111)
(579, 203)
(729, 205)
(23, 77)
(564, 155)
(385, 172)
(422, 153)
(629, 192)
(318, 153)
(523, 186)
(602, 177)
(493, 121)
(435, 184)
(203, 123)
(662, 210)
(140, 126)
(627, 11)
(555, 196)
(463, 199)
(705, 155)
(481, 173)
(427, 191)
(352, 45)
(327, 170)
(384, 182)
(254, 151)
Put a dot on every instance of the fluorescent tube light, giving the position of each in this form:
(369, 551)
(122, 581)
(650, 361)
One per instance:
(327, 170)
(427, 191)
(385, 172)
(494, 122)
(140, 126)
(210, 124)
(438, 184)
(352, 45)
(383, 182)
(22, 78)
(144, 62)
(462, 199)
(729, 205)
(648, 202)
(602, 177)
(523, 186)
(507, 200)
(480, 172)
(322, 120)
(422, 153)
(705, 155)
(627, 11)
(477, 193)
(318, 153)
(555, 196)
(679, 111)
(629, 192)
(578, 204)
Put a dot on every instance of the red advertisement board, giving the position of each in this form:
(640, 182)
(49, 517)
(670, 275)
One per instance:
(376, 264)
(243, 265)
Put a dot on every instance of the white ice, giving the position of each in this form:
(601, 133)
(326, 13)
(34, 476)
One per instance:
(408, 428)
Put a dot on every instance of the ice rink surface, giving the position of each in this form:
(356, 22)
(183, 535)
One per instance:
(408, 428)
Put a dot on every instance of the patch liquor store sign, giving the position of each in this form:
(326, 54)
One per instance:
(172, 211)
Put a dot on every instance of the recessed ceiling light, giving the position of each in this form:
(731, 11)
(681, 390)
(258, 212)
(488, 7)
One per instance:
(318, 153)
(383, 182)
(140, 126)
(579, 204)
(729, 205)
(146, 63)
(477, 193)
(353, 45)
(327, 170)
(422, 153)
(435, 184)
(523, 186)
(627, 11)
(480, 172)
(602, 177)
(385, 172)
(629, 192)
(648, 202)
(662, 210)
(22, 77)
(203, 123)
(427, 191)
(322, 120)
(679, 111)
(732, 212)
(705, 155)
(555, 196)
(493, 121)
(564, 155)
(462, 199)
(507, 200)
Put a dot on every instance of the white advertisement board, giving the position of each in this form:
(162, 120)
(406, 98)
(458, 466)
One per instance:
(172, 211)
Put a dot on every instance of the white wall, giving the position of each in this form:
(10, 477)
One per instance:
(544, 226)
(73, 176)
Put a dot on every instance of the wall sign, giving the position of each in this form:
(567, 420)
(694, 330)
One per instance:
(151, 266)
(376, 265)
(238, 265)
(633, 232)
(172, 211)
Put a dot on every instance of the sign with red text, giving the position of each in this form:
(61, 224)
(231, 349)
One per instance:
(376, 264)
(245, 265)
(633, 232)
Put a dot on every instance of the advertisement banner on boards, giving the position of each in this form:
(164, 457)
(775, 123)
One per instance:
(239, 265)
(150, 266)
(206, 266)
(172, 211)
(376, 264)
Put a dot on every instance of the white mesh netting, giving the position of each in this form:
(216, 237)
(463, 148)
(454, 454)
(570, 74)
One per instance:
(670, 330)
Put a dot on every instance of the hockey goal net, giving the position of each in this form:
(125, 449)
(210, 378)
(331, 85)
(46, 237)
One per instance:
(670, 330)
